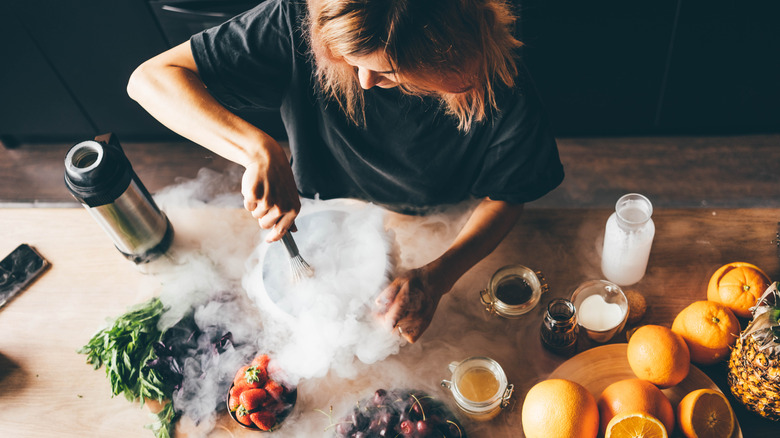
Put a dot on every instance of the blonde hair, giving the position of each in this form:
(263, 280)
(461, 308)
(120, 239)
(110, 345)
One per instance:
(422, 40)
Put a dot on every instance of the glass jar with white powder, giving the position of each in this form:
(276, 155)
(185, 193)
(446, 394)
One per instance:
(627, 240)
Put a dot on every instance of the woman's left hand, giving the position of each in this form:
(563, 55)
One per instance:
(410, 301)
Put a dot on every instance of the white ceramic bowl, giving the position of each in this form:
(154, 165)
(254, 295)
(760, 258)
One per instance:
(348, 247)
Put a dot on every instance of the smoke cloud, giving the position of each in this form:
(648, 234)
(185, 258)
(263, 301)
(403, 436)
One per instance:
(322, 332)
(221, 270)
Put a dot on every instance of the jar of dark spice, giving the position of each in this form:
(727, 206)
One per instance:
(559, 329)
(513, 291)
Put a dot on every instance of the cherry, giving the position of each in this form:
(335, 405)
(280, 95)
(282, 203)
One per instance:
(407, 428)
(344, 429)
(379, 397)
(424, 428)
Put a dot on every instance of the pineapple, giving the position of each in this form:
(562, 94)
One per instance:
(754, 365)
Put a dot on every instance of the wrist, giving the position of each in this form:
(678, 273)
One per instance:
(439, 278)
(260, 149)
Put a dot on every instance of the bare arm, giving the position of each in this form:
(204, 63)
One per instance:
(487, 226)
(169, 88)
(412, 298)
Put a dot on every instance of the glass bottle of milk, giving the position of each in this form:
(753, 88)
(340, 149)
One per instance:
(627, 240)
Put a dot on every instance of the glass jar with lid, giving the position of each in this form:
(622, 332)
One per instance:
(479, 387)
(513, 291)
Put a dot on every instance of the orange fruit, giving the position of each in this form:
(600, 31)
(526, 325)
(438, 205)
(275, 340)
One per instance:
(705, 413)
(710, 329)
(632, 396)
(658, 355)
(636, 425)
(738, 286)
(560, 408)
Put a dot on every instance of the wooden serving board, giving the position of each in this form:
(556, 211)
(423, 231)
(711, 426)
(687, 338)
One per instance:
(597, 368)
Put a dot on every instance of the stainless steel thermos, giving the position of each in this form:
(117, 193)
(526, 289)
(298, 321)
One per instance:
(99, 175)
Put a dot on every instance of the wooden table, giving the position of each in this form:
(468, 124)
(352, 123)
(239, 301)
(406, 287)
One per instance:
(47, 389)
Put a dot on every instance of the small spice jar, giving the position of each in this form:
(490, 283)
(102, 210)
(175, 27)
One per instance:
(480, 387)
(513, 291)
(559, 328)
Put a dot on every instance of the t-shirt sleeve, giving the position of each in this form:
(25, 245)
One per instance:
(522, 162)
(246, 61)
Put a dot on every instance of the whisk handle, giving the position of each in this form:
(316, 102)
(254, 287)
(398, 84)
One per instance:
(289, 243)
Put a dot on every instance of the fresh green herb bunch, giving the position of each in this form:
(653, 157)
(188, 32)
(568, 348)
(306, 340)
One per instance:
(124, 348)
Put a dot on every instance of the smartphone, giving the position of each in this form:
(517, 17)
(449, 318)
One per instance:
(18, 269)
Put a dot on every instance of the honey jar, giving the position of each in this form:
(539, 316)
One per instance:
(479, 387)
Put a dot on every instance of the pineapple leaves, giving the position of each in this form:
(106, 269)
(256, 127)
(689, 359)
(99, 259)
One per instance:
(774, 322)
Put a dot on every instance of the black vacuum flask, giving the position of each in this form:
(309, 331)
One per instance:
(99, 175)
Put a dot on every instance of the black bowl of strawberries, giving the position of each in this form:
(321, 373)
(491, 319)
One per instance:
(257, 401)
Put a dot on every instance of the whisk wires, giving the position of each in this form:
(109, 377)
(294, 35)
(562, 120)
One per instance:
(298, 266)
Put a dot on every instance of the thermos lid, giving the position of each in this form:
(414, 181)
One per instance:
(97, 172)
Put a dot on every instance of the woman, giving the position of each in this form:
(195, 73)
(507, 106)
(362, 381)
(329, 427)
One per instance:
(404, 103)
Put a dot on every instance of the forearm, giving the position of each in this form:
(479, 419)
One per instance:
(487, 226)
(169, 88)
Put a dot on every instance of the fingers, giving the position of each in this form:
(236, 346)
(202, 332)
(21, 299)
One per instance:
(269, 217)
(408, 305)
(410, 332)
(271, 198)
(386, 297)
(272, 218)
(394, 300)
(399, 300)
(280, 228)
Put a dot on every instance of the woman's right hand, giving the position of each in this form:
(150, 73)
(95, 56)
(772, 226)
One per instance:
(269, 191)
(169, 87)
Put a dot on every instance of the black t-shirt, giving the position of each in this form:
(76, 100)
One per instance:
(409, 154)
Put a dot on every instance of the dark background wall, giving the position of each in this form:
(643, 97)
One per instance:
(645, 67)
(696, 67)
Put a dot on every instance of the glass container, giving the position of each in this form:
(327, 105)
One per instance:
(513, 291)
(628, 237)
(602, 309)
(479, 387)
(559, 328)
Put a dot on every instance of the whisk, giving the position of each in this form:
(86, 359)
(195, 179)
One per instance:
(298, 265)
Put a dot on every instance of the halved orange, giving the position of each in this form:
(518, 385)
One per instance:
(705, 413)
(635, 425)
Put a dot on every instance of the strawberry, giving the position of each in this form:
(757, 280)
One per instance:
(242, 385)
(263, 420)
(256, 376)
(252, 399)
(261, 361)
(242, 415)
(233, 403)
(240, 374)
(274, 389)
